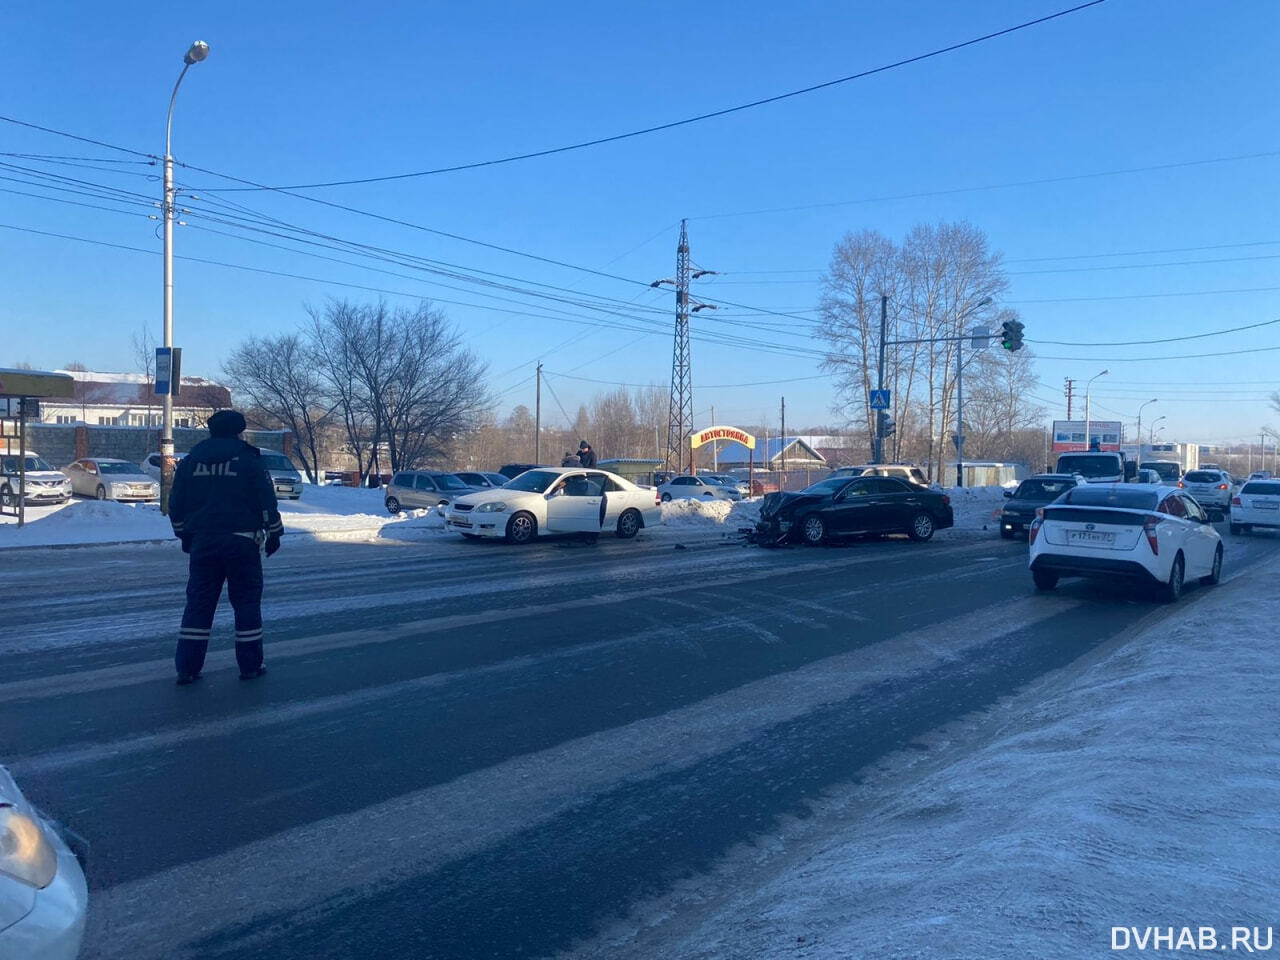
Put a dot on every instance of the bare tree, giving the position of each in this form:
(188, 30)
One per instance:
(400, 379)
(864, 267)
(997, 411)
(278, 375)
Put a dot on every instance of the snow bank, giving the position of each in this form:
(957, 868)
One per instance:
(360, 514)
(85, 521)
(713, 513)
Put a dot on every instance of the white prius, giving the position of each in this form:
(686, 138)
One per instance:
(556, 500)
(1148, 535)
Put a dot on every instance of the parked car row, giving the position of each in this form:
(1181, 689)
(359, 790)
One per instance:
(111, 478)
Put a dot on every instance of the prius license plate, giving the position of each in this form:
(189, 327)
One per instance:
(1091, 537)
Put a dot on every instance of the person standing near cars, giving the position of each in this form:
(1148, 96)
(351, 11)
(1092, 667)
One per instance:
(222, 507)
(586, 456)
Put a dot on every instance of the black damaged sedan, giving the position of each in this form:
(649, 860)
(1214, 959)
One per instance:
(841, 507)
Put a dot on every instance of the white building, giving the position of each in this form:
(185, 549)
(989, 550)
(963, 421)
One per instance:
(127, 400)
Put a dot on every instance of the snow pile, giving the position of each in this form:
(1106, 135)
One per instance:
(974, 506)
(718, 513)
(86, 521)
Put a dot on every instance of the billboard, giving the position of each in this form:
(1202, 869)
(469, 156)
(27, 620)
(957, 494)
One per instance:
(1068, 435)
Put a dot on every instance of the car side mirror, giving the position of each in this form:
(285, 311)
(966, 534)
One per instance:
(1008, 494)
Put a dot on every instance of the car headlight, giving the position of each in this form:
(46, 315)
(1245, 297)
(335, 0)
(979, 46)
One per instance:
(25, 852)
(493, 506)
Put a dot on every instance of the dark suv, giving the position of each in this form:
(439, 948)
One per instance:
(1034, 492)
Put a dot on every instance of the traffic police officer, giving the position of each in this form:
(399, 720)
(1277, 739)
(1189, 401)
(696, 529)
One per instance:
(222, 506)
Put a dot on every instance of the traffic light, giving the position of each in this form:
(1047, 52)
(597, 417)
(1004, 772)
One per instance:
(1011, 335)
(886, 426)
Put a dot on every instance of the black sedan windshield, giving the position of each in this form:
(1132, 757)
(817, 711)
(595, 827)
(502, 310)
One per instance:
(827, 487)
(1042, 489)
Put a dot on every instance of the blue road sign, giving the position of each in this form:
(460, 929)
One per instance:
(879, 399)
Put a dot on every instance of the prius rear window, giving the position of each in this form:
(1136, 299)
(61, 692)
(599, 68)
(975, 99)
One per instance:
(1091, 496)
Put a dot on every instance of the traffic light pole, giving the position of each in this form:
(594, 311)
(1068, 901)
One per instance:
(1011, 339)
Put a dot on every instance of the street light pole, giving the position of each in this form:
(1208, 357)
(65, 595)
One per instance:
(198, 51)
(1147, 404)
(1087, 444)
(1151, 437)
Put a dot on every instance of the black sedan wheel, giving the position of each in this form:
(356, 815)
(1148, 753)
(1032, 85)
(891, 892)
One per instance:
(393, 505)
(921, 527)
(813, 530)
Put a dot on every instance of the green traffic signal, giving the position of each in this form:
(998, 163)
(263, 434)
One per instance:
(1011, 335)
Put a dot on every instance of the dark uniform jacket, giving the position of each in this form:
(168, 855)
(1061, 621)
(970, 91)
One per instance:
(221, 486)
(587, 457)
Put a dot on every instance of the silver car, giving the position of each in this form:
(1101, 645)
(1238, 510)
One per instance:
(43, 897)
(1210, 488)
(423, 490)
(43, 483)
(105, 478)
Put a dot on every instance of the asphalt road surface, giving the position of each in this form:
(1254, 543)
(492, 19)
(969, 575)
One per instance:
(472, 750)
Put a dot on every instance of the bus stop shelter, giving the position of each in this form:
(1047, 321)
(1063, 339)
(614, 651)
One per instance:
(20, 394)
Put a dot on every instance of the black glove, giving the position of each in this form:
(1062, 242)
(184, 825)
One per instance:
(272, 544)
(186, 543)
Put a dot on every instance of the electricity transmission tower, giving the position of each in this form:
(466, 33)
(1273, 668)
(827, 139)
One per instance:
(680, 412)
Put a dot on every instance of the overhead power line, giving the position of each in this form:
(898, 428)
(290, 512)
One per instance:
(1140, 343)
(1038, 182)
(671, 125)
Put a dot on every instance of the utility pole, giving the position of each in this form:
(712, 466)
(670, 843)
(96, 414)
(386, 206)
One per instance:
(537, 420)
(782, 441)
(680, 411)
(878, 445)
(1070, 389)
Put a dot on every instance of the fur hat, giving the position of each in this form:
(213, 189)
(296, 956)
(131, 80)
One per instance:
(227, 423)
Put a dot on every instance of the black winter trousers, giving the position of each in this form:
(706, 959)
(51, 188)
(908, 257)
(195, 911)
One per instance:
(218, 558)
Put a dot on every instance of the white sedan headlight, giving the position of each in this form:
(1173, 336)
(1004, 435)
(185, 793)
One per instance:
(25, 852)
(493, 506)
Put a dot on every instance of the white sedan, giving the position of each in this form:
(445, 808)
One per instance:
(43, 898)
(1256, 505)
(1148, 535)
(690, 487)
(556, 500)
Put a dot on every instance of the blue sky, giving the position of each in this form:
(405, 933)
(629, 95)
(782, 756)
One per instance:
(297, 93)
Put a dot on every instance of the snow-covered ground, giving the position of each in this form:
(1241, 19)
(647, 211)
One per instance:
(346, 513)
(1135, 793)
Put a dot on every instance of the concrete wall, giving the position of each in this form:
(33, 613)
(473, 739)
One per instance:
(62, 443)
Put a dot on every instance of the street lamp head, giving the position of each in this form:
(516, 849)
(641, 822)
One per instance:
(199, 50)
